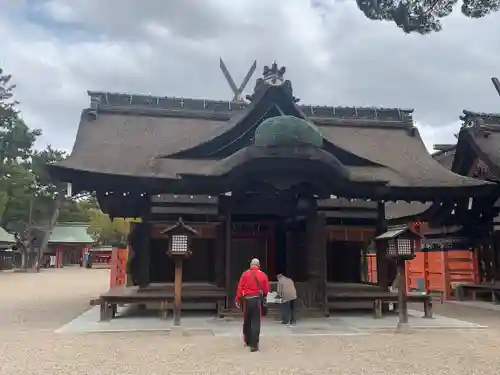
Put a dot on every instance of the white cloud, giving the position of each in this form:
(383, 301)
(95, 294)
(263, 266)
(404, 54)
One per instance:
(334, 56)
(433, 135)
(60, 12)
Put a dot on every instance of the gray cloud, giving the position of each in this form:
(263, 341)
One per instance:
(333, 54)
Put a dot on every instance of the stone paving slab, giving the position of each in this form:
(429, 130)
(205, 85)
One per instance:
(415, 318)
(477, 304)
(340, 325)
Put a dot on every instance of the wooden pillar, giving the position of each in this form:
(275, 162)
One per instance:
(382, 269)
(316, 255)
(272, 249)
(219, 255)
(364, 265)
(292, 242)
(227, 248)
(143, 248)
(480, 260)
(485, 251)
(403, 325)
(316, 247)
(177, 291)
(496, 255)
(491, 251)
(486, 258)
(58, 257)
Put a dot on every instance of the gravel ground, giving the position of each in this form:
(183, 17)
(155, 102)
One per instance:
(33, 305)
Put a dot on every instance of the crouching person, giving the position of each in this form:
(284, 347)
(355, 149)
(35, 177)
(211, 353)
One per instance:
(288, 293)
(252, 288)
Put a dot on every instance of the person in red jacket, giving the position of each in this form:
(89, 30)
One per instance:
(253, 283)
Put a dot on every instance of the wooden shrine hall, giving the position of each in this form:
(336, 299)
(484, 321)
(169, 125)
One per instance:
(475, 220)
(301, 187)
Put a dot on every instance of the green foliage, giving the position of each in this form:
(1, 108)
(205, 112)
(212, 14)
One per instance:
(26, 190)
(7, 103)
(423, 16)
(106, 231)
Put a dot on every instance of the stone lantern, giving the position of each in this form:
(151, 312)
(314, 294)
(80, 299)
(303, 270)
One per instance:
(179, 248)
(400, 246)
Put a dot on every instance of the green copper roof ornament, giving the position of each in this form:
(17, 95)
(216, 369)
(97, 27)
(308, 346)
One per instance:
(287, 131)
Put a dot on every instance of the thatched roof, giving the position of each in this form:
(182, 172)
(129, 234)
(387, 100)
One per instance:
(481, 133)
(153, 138)
(478, 139)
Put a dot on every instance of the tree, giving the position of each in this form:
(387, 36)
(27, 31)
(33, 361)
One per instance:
(16, 141)
(7, 103)
(106, 231)
(423, 16)
(28, 196)
(72, 209)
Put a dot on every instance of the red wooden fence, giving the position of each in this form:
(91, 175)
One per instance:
(118, 267)
(435, 271)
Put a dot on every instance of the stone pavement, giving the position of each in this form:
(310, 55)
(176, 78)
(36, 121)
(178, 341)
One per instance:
(478, 304)
(347, 323)
(34, 306)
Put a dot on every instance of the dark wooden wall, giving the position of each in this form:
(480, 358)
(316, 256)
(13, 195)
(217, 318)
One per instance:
(343, 259)
(199, 267)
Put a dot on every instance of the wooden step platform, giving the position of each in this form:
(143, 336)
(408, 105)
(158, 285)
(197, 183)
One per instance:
(162, 294)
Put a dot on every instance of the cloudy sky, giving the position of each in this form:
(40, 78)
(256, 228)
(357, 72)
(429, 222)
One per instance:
(58, 49)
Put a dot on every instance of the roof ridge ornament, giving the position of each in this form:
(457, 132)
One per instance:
(95, 103)
(273, 76)
(478, 122)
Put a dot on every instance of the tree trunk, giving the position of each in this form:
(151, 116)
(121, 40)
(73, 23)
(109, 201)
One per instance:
(46, 235)
(24, 260)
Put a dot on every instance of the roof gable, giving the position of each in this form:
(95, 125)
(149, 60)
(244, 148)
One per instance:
(273, 101)
(479, 138)
(476, 155)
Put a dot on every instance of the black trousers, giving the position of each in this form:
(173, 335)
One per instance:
(251, 321)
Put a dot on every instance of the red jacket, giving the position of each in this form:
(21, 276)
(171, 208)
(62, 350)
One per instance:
(248, 286)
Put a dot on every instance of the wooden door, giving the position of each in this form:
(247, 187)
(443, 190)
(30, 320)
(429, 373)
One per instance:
(243, 250)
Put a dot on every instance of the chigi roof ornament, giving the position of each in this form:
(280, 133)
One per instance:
(273, 76)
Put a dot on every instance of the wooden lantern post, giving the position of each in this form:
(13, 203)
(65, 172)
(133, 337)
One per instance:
(179, 248)
(400, 244)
